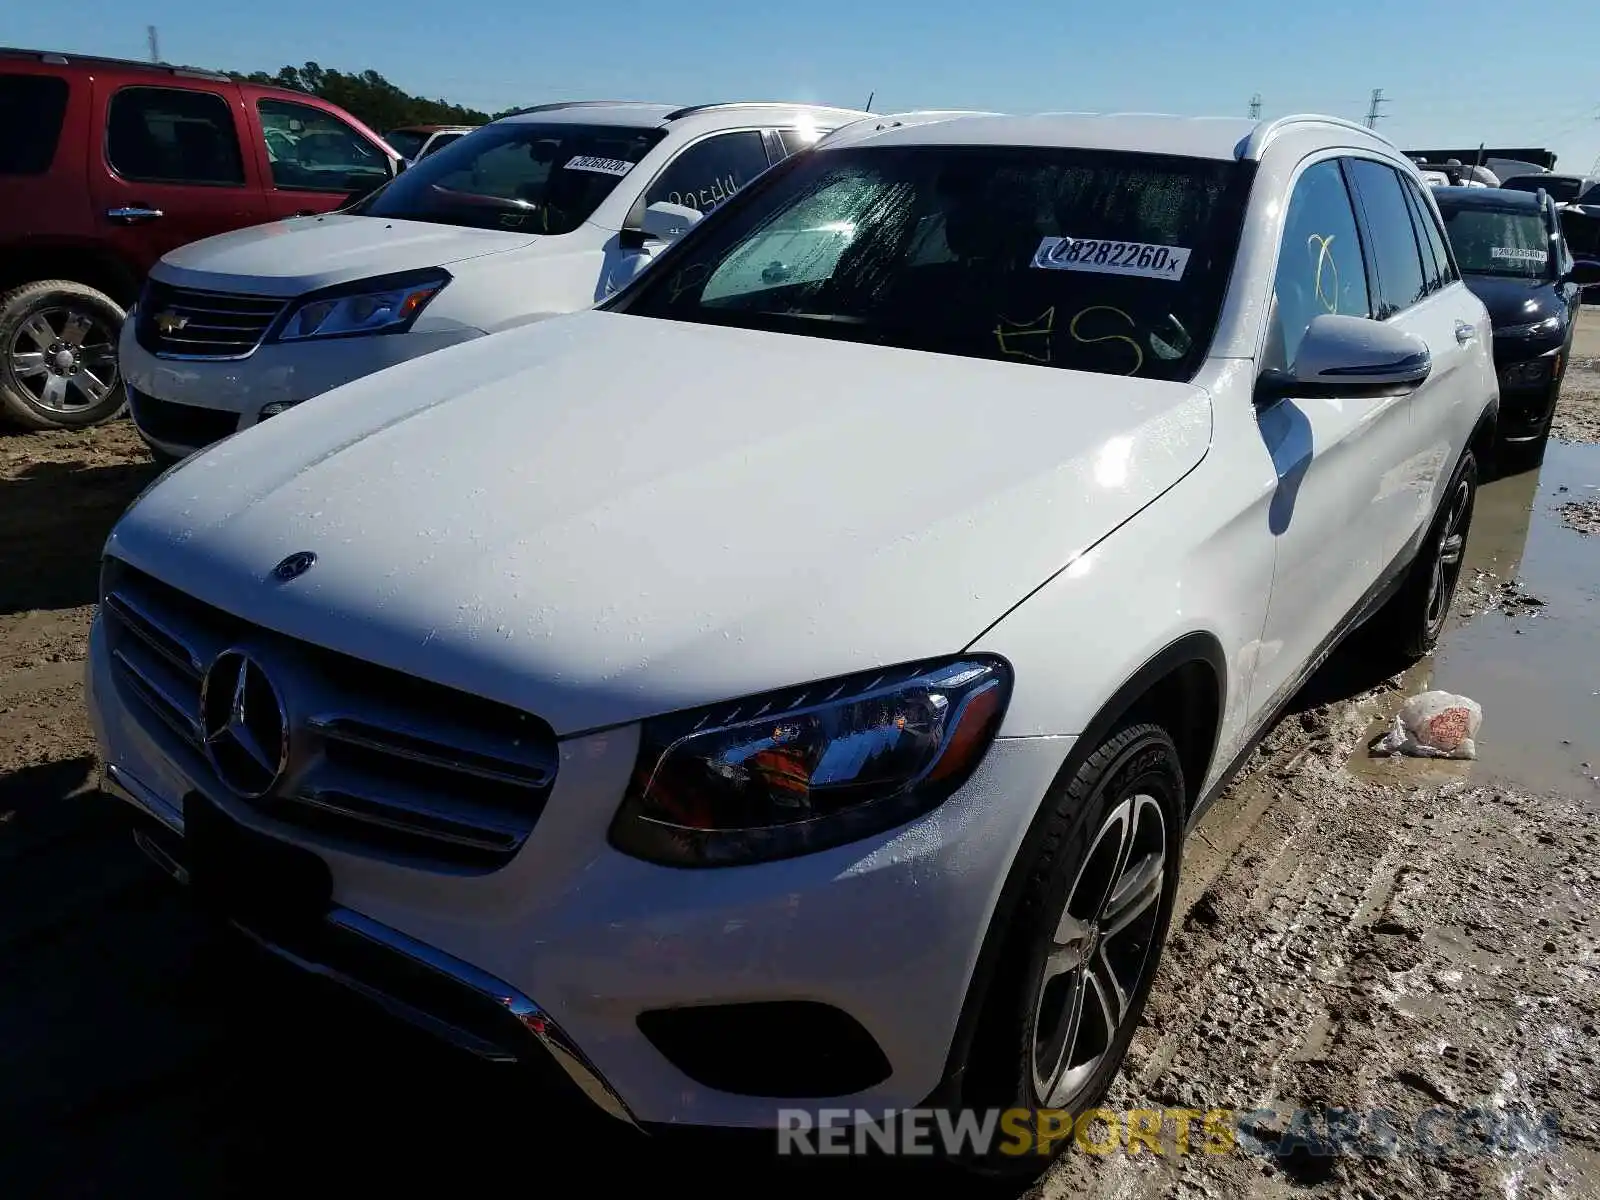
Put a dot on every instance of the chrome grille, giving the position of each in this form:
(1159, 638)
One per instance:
(379, 763)
(191, 323)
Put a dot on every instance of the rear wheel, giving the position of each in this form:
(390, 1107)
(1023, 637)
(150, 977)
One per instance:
(1413, 620)
(58, 356)
(1084, 943)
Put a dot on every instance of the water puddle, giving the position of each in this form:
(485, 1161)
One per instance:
(1534, 667)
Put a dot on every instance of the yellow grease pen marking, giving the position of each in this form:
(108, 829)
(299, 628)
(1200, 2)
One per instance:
(1324, 247)
(1110, 337)
(1043, 325)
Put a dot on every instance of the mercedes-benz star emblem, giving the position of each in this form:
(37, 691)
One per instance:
(245, 724)
(296, 565)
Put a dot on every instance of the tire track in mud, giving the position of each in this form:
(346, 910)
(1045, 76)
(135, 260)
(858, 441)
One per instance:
(1431, 954)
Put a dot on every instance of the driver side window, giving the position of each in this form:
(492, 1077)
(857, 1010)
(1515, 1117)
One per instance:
(313, 151)
(710, 171)
(1320, 266)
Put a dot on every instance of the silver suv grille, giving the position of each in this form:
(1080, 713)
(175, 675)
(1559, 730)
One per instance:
(190, 323)
(377, 761)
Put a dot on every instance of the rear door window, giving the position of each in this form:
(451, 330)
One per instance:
(1435, 264)
(796, 140)
(1434, 235)
(31, 111)
(171, 135)
(1394, 250)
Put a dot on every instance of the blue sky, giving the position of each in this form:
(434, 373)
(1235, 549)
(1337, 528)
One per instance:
(1453, 72)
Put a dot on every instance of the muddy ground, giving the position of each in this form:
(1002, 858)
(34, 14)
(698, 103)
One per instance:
(1400, 939)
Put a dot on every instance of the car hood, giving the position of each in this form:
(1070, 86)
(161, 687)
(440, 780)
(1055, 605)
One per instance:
(603, 517)
(287, 258)
(1515, 301)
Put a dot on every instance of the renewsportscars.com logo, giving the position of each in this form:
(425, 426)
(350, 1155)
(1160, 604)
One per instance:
(1372, 1133)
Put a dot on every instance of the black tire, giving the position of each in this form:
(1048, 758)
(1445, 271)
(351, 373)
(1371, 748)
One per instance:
(1411, 622)
(1135, 775)
(41, 389)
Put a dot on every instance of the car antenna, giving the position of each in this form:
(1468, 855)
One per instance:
(870, 95)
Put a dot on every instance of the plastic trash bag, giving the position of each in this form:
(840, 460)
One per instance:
(1434, 725)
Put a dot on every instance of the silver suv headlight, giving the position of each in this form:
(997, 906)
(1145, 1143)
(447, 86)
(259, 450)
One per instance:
(801, 770)
(390, 304)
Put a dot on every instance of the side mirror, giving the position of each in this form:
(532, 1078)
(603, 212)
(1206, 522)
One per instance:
(661, 222)
(1585, 273)
(665, 222)
(1349, 356)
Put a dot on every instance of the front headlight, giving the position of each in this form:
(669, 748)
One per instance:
(388, 305)
(811, 767)
(1536, 329)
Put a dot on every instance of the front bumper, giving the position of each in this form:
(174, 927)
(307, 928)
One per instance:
(180, 406)
(886, 930)
(1530, 385)
(444, 996)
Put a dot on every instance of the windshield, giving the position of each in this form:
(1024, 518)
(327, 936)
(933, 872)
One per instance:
(406, 142)
(1489, 242)
(519, 176)
(1094, 261)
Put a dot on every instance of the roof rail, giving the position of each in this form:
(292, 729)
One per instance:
(58, 59)
(693, 109)
(1263, 134)
(533, 108)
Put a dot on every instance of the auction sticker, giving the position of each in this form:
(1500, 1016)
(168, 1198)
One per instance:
(1520, 255)
(1102, 257)
(604, 166)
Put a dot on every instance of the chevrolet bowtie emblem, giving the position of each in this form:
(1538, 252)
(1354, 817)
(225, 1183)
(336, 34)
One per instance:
(170, 322)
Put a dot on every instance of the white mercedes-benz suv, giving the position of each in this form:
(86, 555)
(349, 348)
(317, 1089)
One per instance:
(539, 213)
(793, 681)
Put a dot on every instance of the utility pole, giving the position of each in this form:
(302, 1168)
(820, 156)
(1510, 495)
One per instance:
(155, 46)
(1255, 106)
(1373, 115)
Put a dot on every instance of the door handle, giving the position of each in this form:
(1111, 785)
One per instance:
(1464, 332)
(132, 214)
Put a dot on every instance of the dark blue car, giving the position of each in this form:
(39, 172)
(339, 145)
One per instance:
(1513, 254)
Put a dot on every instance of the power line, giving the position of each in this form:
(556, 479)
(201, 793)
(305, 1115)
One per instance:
(1373, 115)
(1255, 106)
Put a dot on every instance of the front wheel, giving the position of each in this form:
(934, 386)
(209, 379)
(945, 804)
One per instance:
(1084, 944)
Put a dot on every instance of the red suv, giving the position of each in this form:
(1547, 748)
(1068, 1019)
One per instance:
(106, 165)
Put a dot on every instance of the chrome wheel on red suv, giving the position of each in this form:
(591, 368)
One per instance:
(59, 369)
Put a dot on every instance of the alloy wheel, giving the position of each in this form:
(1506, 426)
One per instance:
(1102, 947)
(65, 359)
(1448, 558)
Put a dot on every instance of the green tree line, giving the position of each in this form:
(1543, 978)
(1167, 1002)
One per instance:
(369, 97)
